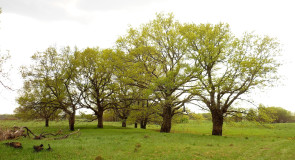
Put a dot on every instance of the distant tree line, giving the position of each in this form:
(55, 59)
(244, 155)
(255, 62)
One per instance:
(150, 74)
(263, 114)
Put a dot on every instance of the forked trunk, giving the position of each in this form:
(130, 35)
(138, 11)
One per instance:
(100, 118)
(217, 119)
(167, 118)
(72, 121)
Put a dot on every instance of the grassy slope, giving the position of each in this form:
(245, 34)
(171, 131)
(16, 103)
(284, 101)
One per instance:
(188, 141)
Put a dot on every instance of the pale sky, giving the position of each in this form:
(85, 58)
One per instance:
(28, 26)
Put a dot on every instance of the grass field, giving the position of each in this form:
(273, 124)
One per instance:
(187, 141)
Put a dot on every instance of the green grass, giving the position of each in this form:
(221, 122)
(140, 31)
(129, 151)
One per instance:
(187, 141)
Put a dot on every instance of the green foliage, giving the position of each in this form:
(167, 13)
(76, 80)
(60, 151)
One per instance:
(235, 115)
(227, 66)
(269, 115)
(266, 114)
(36, 102)
(207, 116)
(180, 118)
(196, 116)
(88, 117)
(110, 116)
(95, 78)
(156, 61)
(163, 62)
(282, 114)
(56, 73)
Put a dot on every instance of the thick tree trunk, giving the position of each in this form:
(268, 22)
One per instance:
(167, 118)
(124, 122)
(46, 122)
(135, 125)
(72, 121)
(217, 119)
(143, 123)
(100, 118)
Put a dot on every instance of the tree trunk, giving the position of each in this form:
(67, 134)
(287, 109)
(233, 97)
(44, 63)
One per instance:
(167, 118)
(100, 118)
(72, 121)
(135, 125)
(217, 119)
(124, 122)
(143, 123)
(46, 122)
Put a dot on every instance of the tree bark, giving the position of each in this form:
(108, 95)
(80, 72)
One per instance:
(100, 118)
(72, 121)
(46, 122)
(167, 118)
(124, 122)
(135, 125)
(217, 119)
(143, 123)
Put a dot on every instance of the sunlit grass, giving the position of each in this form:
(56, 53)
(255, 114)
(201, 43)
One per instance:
(187, 141)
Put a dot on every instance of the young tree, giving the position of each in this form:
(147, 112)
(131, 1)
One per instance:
(228, 67)
(36, 102)
(144, 111)
(157, 57)
(124, 100)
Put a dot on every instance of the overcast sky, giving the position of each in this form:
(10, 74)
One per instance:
(27, 26)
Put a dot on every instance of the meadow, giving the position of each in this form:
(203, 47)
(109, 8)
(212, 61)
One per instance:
(191, 140)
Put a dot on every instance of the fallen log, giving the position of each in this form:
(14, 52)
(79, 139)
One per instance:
(17, 132)
(13, 133)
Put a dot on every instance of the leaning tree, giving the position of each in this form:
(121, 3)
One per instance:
(228, 67)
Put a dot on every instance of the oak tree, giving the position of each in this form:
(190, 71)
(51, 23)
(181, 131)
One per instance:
(228, 67)
(157, 55)
(96, 80)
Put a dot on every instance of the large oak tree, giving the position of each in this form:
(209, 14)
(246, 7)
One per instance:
(228, 67)
(157, 57)
(96, 80)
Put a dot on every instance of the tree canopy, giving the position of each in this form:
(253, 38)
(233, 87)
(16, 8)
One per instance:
(157, 69)
(228, 67)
